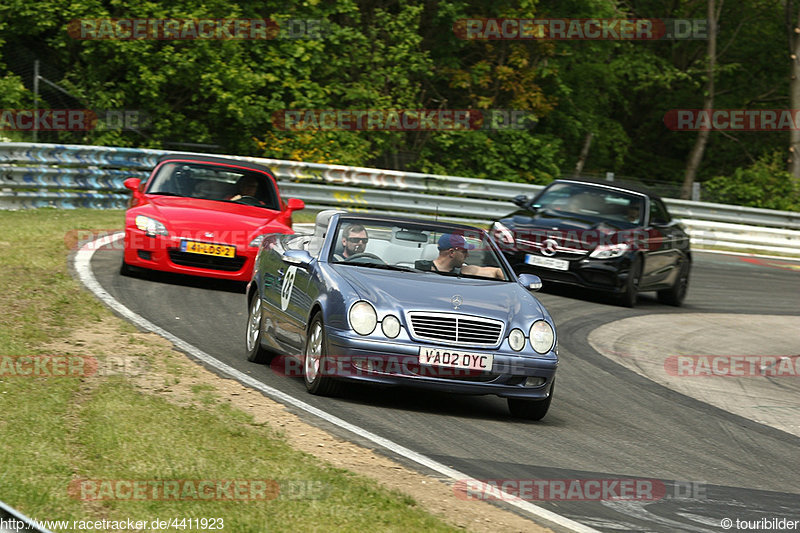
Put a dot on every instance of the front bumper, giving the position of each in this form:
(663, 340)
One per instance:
(363, 359)
(163, 254)
(608, 275)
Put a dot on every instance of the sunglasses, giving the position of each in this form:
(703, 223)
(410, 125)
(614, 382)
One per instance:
(358, 240)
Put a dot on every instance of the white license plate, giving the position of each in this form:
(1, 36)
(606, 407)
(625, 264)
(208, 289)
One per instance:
(546, 262)
(455, 359)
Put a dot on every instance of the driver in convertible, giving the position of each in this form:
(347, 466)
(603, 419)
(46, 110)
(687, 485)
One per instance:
(453, 252)
(354, 241)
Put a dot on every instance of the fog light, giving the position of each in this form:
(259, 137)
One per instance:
(360, 363)
(534, 382)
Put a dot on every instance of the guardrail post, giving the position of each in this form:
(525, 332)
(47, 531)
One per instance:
(696, 191)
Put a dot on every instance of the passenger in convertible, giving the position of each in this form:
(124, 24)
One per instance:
(453, 253)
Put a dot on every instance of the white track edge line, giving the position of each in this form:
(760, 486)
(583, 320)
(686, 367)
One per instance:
(82, 263)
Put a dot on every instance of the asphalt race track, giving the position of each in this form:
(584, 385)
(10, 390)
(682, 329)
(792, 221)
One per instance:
(606, 422)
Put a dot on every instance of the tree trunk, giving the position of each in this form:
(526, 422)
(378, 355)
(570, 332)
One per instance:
(587, 143)
(696, 155)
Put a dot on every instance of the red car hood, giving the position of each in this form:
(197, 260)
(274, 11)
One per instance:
(193, 218)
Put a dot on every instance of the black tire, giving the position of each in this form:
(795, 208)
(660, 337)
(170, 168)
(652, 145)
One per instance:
(627, 298)
(677, 293)
(316, 373)
(255, 320)
(126, 270)
(531, 409)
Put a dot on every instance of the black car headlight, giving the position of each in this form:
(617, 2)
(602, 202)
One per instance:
(502, 234)
(610, 251)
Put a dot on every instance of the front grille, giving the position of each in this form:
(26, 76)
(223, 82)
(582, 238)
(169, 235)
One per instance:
(570, 249)
(456, 374)
(454, 328)
(228, 264)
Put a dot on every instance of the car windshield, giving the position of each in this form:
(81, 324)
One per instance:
(587, 201)
(423, 248)
(214, 182)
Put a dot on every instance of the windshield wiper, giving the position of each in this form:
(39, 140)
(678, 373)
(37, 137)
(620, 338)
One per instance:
(165, 193)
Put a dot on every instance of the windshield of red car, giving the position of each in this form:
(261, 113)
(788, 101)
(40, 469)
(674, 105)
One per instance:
(214, 182)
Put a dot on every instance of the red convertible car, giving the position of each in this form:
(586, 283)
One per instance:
(204, 216)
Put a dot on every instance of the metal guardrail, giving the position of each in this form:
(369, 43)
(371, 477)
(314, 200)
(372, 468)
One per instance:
(68, 176)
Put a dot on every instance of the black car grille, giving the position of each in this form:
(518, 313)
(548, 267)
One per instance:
(453, 328)
(228, 264)
(565, 249)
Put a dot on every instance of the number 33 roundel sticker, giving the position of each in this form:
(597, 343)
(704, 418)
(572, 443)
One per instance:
(288, 285)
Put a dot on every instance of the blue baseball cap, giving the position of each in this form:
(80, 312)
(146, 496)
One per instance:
(454, 240)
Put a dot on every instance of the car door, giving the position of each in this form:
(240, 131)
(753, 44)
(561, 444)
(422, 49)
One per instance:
(663, 251)
(285, 294)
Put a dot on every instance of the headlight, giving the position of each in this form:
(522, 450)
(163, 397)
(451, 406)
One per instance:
(502, 234)
(255, 243)
(516, 339)
(390, 326)
(363, 318)
(150, 226)
(541, 336)
(610, 251)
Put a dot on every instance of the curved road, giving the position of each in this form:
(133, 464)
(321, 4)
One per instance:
(605, 422)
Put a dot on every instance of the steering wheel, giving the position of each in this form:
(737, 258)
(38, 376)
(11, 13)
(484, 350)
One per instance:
(249, 200)
(366, 255)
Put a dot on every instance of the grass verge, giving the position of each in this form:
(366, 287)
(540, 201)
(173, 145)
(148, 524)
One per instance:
(61, 433)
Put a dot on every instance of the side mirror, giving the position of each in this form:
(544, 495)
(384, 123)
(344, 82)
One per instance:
(132, 184)
(300, 258)
(530, 282)
(295, 204)
(520, 200)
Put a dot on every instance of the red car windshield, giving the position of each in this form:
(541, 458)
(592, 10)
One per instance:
(214, 182)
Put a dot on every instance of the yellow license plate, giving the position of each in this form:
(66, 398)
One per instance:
(205, 248)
